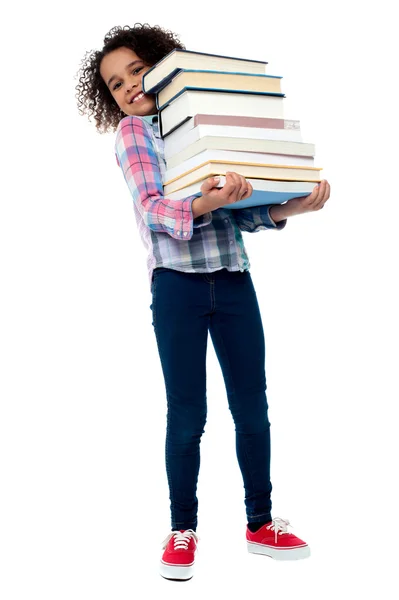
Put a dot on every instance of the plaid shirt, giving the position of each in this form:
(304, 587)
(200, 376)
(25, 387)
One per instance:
(172, 237)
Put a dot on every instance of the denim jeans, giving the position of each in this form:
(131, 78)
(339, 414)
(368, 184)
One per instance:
(185, 306)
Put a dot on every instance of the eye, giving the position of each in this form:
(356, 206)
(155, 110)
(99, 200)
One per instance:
(134, 72)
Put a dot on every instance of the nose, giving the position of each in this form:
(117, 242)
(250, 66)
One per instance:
(133, 83)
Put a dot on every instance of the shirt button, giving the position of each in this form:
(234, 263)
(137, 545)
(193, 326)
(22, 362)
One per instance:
(185, 233)
(226, 220)
(231, 242)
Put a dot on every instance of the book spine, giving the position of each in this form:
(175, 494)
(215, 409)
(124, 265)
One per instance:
(219, 91)
(259, 122)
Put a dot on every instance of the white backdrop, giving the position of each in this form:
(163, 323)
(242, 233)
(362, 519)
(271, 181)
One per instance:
(84, 504)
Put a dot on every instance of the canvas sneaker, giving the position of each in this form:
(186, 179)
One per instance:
(177, 561)
(275, 541)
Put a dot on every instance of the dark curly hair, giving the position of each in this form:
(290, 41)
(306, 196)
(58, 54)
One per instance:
(150, 44)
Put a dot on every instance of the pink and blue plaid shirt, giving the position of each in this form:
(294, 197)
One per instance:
(172, 237)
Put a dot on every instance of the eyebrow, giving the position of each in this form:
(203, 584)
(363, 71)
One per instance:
(126, 68)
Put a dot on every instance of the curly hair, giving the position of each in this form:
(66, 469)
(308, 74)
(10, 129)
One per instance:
(151, 44)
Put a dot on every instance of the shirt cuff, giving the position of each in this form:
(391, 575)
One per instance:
(202, 220)
(184, 222)
(263, 220)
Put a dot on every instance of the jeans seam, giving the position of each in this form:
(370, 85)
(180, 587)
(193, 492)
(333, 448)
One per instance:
(233, 393)
(167, 418)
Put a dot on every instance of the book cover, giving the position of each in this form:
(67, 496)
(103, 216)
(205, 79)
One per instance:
(264, 192)
(251, 170)
(242, 145)
(190, 102)
(160, 74)
(203, 157)
(217, 91)
(221, 80)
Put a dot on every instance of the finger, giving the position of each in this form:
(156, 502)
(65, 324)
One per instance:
(243, 187)
(327, 194)
(319, 192)
(234, 194)
(209, 183)
(229, 186)
(249, 191)
(241, 183)
(324, 195)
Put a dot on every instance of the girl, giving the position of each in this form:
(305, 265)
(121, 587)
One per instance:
(199, 276)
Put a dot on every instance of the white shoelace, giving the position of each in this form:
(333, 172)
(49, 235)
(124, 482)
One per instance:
(279, 526)
(181, 540)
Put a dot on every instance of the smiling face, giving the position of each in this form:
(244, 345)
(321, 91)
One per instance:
(122, 71)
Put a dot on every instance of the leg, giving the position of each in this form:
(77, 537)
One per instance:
(181, 319)
(237, 334)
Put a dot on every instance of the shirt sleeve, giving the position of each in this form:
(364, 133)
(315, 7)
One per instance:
(256, 218)
(136, 155)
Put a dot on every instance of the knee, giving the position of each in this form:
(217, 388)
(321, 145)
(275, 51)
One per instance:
(185, 426)
(252, 426)
(251, 418)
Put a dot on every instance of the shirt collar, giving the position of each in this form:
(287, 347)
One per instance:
(151, 119)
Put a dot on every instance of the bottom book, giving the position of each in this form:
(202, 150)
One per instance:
(265, 191)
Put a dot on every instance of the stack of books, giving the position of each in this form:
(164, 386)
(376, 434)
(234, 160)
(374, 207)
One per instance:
(219, 114)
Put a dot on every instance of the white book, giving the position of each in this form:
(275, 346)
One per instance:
(192, 102)
(161, 73)
(180, 139)
(242, 145)
(265, 191)
(228, 155)
(250, 170)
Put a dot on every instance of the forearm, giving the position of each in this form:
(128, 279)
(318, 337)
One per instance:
(199, 207)
(279, 212)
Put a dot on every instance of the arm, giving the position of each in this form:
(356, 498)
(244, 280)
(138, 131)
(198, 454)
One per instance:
(275, 216)
(137, 157)
(260, 217)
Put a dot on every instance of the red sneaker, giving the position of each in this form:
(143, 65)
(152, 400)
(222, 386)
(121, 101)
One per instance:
(177, 561)
(275, 541)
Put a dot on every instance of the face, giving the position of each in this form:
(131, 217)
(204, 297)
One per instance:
(122, 71)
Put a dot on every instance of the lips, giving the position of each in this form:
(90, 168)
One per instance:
(136, 97)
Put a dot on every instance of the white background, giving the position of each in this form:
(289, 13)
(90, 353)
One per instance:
(84, 502)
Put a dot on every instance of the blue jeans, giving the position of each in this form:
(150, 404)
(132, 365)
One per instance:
(184, 307)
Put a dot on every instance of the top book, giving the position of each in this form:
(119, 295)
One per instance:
(162, 72)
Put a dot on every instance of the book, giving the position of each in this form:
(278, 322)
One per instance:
(218, 81)
(239, 144)
(162, 72)
(246, 169)
(265, 191)
(181, 138)
(233, 156)
(190, 102)
(253, 123)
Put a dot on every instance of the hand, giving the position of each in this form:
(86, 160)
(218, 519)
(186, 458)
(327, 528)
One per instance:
(315, 200)
(236, 188)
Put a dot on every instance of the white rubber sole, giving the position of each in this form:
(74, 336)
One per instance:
(292, 554)
(171, 572)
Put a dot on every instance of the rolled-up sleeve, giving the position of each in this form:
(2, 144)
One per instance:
(136, 155)
(256, 219)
